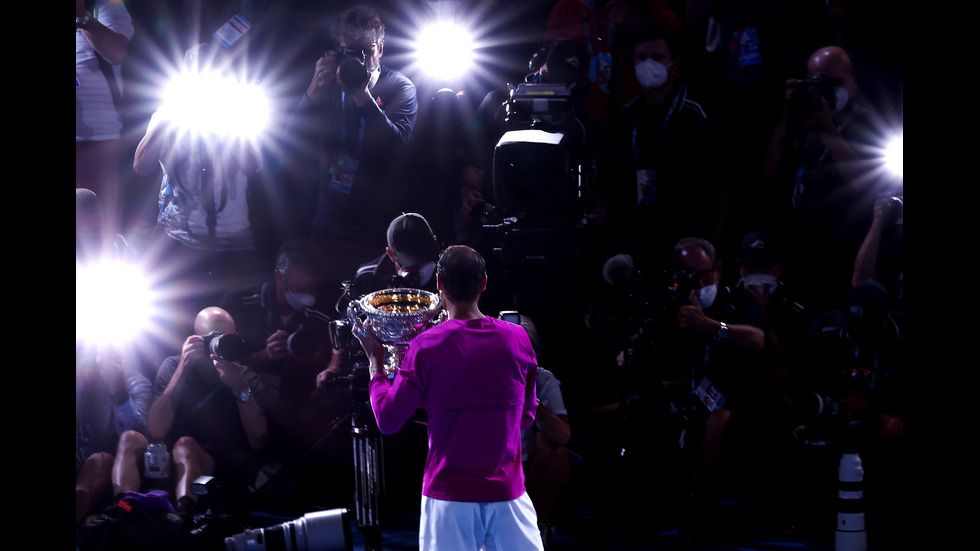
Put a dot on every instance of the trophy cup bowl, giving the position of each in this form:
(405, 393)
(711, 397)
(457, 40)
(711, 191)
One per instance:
(396, 315)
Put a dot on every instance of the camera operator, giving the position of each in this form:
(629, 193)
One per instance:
(853, 396)
(288, 343)
(706, 353)
(409, 261)
(820, 159)
(271, 314)
(358, 114)
(209, 410)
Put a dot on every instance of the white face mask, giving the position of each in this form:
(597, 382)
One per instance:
(763, 284)
(299, 301)
(651, 74)
(841, 98)
(706, 295)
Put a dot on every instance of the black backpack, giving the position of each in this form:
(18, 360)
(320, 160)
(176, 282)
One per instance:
(129, 525)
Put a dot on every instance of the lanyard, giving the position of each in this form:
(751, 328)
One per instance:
(587, 30)
(354, 147)
(801, 171)
(670, 113)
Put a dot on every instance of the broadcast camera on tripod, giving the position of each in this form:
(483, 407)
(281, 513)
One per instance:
(541, 179)
(541, 173)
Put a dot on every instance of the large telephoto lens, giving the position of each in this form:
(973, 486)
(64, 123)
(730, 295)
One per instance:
(319, 531)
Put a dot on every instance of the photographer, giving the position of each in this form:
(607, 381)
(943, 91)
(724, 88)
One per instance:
(288, 343)
(852, 397)
(705, 350)
(820, 162)
(881, 257)
(203, 237)
(210, 411)
(111, 398)
(358, 115)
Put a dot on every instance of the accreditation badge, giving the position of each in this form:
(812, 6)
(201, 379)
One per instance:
(342, 173)
(646, 186)
(710, 396)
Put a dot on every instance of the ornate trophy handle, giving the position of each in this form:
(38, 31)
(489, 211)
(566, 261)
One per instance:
(355, 313)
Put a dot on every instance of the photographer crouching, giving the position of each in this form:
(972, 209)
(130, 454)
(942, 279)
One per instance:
(704, 348)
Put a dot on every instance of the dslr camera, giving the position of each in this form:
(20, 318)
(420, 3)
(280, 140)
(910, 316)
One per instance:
(230, 347)
(807, 97)
(351, 67)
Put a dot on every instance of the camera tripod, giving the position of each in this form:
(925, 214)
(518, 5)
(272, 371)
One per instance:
(369, 481)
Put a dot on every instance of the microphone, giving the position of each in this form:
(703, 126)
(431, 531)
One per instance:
(617, 268)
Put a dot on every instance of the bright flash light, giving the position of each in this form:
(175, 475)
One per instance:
(113, 302)
(894, 156)
(208, 103)
(444, 50)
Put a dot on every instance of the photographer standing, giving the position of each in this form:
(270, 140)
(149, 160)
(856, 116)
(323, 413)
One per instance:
(103, 30)
(655, 173)
(820, 161)
(203, 238)
(358, 115)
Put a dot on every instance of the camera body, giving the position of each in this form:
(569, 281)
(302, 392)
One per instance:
(303, 343)
(808, 96)
(230, 347)
(351, 67)
(680, 283)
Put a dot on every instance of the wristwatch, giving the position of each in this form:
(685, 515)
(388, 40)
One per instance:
(83, 22)
(244, 396)
(722, 332)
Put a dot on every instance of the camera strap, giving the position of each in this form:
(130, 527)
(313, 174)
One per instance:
(799, 187)
(106, 68)
(352, 131)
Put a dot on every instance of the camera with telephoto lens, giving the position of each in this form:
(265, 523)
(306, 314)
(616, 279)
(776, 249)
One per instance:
(679, 286)
(352, 70)
(811, 92)
(230, 347)
(317, 531)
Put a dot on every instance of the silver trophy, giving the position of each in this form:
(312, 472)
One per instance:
(396, 315)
